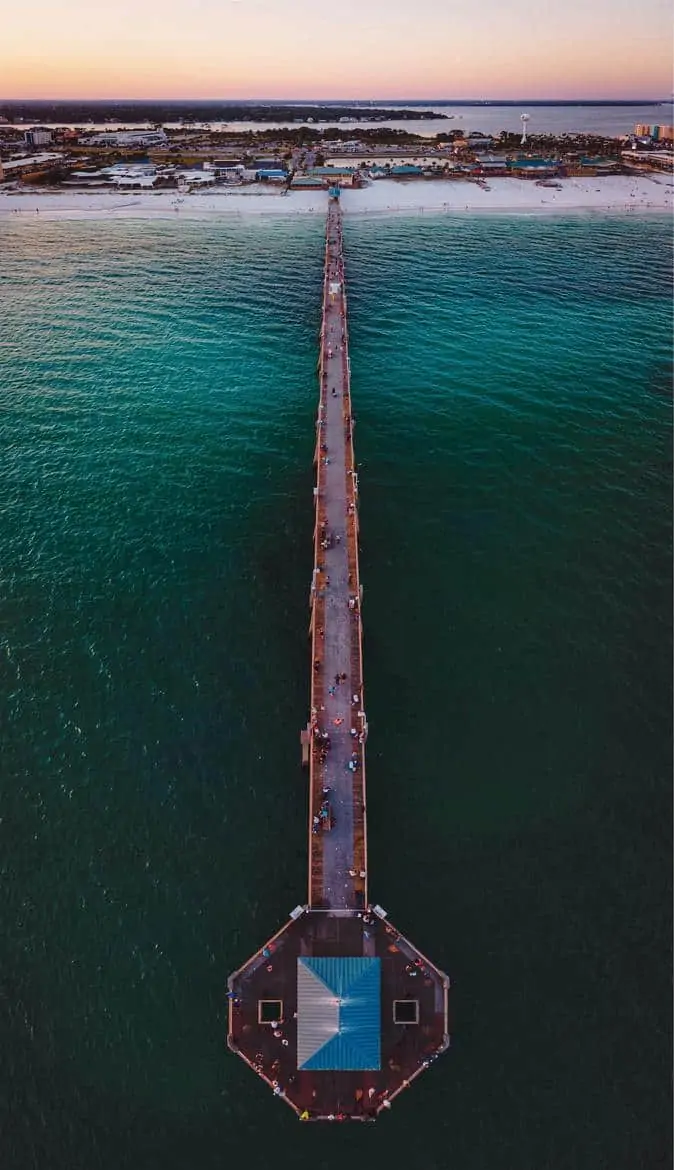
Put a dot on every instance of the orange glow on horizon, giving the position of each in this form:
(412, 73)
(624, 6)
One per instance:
(377, 50)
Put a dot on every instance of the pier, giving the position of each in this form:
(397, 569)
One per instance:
(338, 1012)
(337, 729)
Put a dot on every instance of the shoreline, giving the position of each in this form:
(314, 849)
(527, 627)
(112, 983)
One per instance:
(620, 194)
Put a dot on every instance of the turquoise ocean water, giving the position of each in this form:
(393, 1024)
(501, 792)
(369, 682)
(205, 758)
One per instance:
(512, 386)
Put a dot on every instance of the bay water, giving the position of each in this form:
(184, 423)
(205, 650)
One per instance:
(611, 121)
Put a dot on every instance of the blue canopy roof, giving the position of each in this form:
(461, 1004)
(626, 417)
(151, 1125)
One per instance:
(338, 1013)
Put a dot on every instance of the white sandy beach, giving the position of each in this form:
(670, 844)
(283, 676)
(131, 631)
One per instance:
(619, 193)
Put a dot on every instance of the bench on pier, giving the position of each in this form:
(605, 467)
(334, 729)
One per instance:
(305, 740)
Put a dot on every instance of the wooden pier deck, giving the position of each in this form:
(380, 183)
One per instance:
(337, 726)
(331, 1048)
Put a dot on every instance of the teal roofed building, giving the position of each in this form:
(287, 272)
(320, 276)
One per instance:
(331, 172)
(271, 175)
(406, 169)
(532, 164)
(600, 163)
(338, 1013)
(310, 182)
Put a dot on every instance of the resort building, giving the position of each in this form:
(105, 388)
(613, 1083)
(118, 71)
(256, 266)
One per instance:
(16, 168)
(196, 178)
(661, 160)
(599, 165)
(654, 133)
(392, 158)
(330, 170)
(271, 175)
(405, 171)
(131, 139)
(38, 136)
(341, 176)
(231, 171)
(349, 147)
(492, 164)
(529, 168)
(308, 182)
(226, 172)
(128, 178)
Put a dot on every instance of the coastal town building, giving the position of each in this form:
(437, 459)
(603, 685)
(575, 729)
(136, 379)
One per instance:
(384, 159)
(654, 133)
(226, 172)
(385, 156)
(661, 160)
(38, 136)
(478, 141)
(533, 167)
(339, 176)
(16, 168)
(405, 170)
(269, 164)
(271, 175)
(493, 164)
(131, 139)
(86, 179)
(195, 178)
(599, 165)
(129, 177)
(308, 182)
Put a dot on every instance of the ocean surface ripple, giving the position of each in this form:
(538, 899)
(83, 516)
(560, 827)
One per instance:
(512, 387)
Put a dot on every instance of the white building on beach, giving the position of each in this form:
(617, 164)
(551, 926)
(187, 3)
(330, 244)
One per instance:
(130, 139)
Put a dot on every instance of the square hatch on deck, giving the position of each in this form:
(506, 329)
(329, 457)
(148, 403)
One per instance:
(406, 1011)
(339, 1013)
(269, 1011)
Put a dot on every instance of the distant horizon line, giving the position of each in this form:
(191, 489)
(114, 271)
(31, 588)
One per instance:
(431, 101)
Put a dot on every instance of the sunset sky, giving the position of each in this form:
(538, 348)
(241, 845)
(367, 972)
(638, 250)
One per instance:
(354, 49)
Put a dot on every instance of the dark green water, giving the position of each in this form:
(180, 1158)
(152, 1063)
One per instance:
(512, 385)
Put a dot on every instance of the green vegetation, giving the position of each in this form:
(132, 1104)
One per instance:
(78, 113)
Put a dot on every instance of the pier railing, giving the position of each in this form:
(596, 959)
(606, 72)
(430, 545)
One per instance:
(318, 603)
(359, 787)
